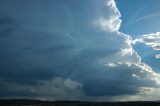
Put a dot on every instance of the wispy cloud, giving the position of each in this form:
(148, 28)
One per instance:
(157, 56)
(145, 17)
(136, 14)
(137, 17)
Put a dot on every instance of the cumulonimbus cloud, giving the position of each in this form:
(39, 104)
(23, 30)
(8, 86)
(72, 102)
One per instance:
(75, 46)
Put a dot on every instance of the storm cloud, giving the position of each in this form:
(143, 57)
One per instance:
(69, 50)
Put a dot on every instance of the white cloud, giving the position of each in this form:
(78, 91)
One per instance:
(111, 64)
(157, 56)
(109, 25)
(134, 75)
(109, 22)
(151, 40)
(127, 51)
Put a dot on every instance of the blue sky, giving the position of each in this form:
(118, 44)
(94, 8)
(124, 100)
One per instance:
(141, 17)
(87, 50)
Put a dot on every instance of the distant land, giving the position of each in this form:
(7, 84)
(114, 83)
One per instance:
(26, 102)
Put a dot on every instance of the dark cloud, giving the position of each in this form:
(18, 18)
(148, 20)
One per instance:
(7, 26)
(116, 81)
(60, 50)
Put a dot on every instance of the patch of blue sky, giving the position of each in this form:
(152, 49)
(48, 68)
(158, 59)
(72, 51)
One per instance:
(147, 55)
(139, 16)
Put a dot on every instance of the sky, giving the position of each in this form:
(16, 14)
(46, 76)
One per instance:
(87, 50)
(142, 19)
(139, 16)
